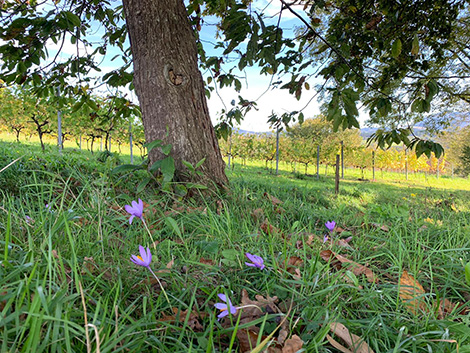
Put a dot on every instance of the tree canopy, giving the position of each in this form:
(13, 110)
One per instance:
(398, 60)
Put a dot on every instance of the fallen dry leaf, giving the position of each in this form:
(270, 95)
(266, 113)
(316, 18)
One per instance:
(204, 261)
(355, 343)
(283, 333)
(220, 207)
(311, 238)
(247, 340)
(307, 239)
(249, 336)
(445, 308)
(170, 264)
(381, 227)
(338, 262)
(193, 319)
(412, 293)
(295, 261)
(269, 229)
(292, 345)
(343, 243)
(3, 302)
(89, 266)
(258, 215)
(257, 308)
(293, 265)
(274, 200)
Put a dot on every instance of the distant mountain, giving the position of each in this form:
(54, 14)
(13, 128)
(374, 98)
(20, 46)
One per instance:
(367, 132)
(247, 132)
(437, 121)
(458, 119)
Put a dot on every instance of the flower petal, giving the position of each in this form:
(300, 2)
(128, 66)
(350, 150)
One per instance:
(222, 297)
(250, 264)
(143, 253)
(129, 209)
(149, 256)
(223, 314)
(250, 257)
(134, 205)
(220, 306)
(136, 260)
(131, 218)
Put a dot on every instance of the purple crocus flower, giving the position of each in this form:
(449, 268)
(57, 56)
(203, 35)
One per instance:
(225, 307)
(325, 239)
(135, 210)
(144, 259)
(330, 225)
(256, 261)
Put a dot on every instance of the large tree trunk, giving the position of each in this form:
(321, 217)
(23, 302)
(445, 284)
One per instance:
(170, 87)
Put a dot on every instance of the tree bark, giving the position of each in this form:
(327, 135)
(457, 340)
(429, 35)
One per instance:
(170, 87)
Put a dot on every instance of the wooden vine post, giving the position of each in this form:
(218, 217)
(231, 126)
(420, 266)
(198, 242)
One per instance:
(337, 175)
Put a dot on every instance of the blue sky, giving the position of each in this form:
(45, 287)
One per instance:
(255, 87)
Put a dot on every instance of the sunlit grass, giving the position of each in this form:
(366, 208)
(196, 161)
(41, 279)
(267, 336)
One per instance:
(71, 265)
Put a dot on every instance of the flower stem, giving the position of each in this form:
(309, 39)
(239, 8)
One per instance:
(148, 231)
(160, 284)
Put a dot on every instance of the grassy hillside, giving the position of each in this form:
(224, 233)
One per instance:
(391, 272)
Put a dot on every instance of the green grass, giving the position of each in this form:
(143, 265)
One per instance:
(70, 266)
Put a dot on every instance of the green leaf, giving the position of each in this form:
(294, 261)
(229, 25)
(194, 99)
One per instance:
(417, 106)
(166, 149)
(172, 223)
(230, 254)
(155, 166)
(432, 90)
(168, 168)
(143, 184)
(229, 263)
(198, 164)
(154, 144)
(74, 19)
(396, 48)
(92, 104)
(181, 190)
(426, 105)
(415, 45)
(196, 186)
(126, 168)
(337, 122)
(467, 273)
(21, 68)
(189, 166)
(349, 106)
(209, 246)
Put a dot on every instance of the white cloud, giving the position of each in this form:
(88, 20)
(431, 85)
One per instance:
(272, 9)
(277, 100)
